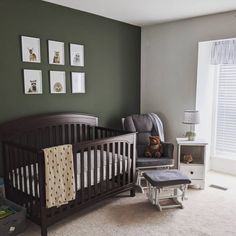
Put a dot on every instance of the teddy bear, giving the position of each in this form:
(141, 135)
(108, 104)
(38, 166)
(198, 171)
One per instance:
(187, 158)
(154, 149)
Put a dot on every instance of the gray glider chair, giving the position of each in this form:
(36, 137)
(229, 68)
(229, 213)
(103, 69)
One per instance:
(144, 126)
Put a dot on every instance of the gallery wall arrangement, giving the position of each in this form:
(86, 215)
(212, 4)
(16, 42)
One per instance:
(110, 69)
(111, 66)
(31, 53)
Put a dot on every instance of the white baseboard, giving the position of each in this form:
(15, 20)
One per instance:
(227, 166)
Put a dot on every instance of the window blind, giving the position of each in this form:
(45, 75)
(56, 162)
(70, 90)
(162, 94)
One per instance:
(225, 143)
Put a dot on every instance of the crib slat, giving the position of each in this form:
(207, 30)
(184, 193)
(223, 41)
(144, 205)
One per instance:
(107, 166)
(35, 177)
(75, 170)
(14, 165)
(19, 164)
(123, 162)
(80, 133)
(69, 134)
(24, 161)
(9, 151)
(6, 165)
(85, 132)
(75, 133)
(128, 162)
(118, 163)
(50, 136)
(63, 135)
(30, 174)
(57, 134)
(82, 174)
(88, 132)
(101, 168)
(40, 135)
(113, 164)
(54, 138)
(30, 180)
(95, 171)
(89, 172)
(72, 133)
(96, 132)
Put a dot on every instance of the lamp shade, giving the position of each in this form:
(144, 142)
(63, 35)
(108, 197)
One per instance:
(191, 117)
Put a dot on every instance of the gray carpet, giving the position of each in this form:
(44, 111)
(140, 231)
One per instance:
(206, 212)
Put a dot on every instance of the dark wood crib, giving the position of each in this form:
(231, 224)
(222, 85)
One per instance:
(104, 162)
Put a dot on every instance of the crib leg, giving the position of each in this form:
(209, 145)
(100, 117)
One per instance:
(44, 231)
(43, 222)
(132, 192)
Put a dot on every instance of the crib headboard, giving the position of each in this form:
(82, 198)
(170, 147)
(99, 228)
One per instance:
(25, 124)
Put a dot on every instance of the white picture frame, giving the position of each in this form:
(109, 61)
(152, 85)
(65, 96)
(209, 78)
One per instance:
(57, 82)
(56, 52)
(33, 81)
(78, 82)
(76, 54)
(30, 49)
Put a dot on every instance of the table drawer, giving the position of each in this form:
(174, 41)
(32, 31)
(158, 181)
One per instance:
(193, 172)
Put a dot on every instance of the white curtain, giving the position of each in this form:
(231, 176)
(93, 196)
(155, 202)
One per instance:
(223, 52)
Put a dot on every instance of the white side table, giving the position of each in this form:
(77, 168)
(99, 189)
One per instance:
(197, 168)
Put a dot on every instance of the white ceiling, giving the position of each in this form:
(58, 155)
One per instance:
(146, 12)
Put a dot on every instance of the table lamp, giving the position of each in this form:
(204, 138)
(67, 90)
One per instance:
(191, 117)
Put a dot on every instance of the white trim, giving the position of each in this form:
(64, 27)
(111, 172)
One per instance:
(217, 40)
(224, 165)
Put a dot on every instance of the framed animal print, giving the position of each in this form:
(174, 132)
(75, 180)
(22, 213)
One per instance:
(33, 81)
(56, 54)
(30, 49)
(76, 55)
(57, 82)
(78, 82)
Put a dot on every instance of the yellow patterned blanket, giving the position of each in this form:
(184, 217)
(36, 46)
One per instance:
(59, 175)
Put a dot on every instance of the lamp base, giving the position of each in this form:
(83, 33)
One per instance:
(190, 135)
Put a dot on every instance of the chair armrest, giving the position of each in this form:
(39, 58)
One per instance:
(168, 149)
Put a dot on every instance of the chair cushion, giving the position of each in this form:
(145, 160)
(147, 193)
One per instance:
(139, 123)
(163, 178)
(148, 162)
(145, 128)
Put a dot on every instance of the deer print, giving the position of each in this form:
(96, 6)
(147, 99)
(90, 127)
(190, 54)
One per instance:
(56, 58)
(32, 55)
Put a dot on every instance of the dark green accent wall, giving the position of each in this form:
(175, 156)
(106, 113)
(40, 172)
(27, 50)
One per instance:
(112, 62)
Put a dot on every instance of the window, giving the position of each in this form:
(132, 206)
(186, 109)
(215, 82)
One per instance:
(225, 112)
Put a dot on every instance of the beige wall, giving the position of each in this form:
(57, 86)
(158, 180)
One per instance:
(169, 65)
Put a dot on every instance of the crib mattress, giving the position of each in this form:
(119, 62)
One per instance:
(107, 158)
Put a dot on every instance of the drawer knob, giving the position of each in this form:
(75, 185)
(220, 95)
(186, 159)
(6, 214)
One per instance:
(191, 172)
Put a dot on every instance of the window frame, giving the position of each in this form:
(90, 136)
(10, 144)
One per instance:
(214, 152)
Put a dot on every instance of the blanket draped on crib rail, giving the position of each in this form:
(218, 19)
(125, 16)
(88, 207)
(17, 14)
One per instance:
(59, 175)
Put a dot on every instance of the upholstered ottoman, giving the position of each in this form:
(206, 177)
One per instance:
(166, 188)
